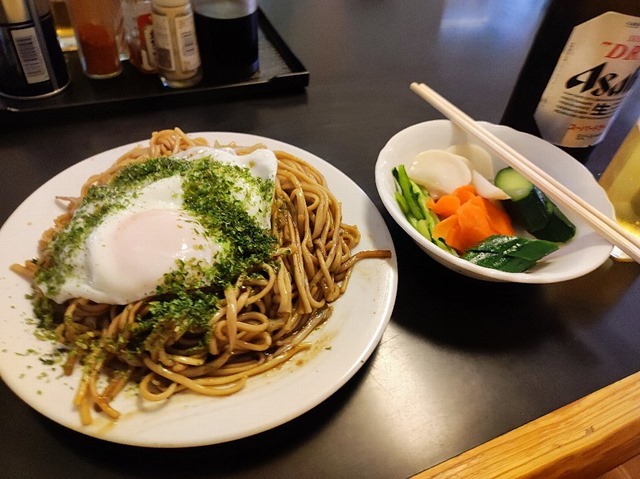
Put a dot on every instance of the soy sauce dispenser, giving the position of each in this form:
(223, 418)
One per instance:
(32, 64)
(227, 33)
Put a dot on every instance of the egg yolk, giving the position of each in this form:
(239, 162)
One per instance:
(129, 255)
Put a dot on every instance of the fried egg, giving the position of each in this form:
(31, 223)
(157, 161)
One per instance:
(183, 214)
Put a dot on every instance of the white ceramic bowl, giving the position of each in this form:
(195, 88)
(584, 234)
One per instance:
(584, 253)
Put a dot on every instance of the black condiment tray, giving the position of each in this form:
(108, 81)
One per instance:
(280, 71)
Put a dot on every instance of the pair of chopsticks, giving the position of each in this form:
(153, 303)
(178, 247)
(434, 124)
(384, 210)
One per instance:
(603, 225)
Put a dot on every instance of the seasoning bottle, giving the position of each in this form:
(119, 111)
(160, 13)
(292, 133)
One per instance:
(31, 62)
(138, 29)
(583, 60)
(175, 41)
(227, 37)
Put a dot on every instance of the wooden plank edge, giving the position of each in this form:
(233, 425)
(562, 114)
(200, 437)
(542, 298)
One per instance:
(581, 440)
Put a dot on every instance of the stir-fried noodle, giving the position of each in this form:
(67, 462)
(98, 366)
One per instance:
(258, 323)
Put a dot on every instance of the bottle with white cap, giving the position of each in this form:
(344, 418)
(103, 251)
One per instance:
(177, 54)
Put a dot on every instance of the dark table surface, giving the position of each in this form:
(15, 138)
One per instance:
(449, 374)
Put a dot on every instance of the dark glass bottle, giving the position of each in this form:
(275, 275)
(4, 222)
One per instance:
(228, 38)
(583, 60)
(31, 62)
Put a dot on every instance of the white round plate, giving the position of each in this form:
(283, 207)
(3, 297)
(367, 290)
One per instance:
(584, 253)
(341, 346)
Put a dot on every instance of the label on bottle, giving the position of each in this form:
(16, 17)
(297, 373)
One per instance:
(187, 42)
(596, 69)
(162, 42)
(147, 49)
(30, 55)
(184, 54)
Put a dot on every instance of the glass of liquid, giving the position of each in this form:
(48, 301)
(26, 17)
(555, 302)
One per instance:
(621, 181)
(99, 30)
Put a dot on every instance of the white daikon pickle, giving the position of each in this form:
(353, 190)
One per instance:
(440, 171)
(486, 189)
(479, 158)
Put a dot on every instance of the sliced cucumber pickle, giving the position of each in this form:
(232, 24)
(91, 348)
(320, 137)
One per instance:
(532, 209)
(511, 254)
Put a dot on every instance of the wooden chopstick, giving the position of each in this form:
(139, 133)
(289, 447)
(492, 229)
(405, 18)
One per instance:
(606, 227)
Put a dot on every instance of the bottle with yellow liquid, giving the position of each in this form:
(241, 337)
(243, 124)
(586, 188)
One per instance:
(621, 181)
(64, 29)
